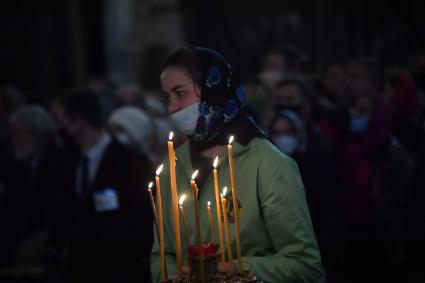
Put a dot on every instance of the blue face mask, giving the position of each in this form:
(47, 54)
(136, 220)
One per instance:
(287, 144)
(359, 124)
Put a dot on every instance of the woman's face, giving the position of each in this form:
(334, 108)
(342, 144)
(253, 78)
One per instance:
(180, 89)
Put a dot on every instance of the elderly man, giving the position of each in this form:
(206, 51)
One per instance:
(30, 176)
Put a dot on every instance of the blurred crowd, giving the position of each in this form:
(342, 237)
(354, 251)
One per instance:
(356, 129)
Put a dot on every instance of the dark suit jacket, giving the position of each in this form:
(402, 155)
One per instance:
(114, 246)
(30, 191)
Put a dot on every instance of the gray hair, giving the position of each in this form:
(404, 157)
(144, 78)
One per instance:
(36, 121)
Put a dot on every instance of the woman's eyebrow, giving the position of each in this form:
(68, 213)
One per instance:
(176, 88)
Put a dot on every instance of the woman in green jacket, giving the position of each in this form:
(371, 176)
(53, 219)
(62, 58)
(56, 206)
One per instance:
(208, 104)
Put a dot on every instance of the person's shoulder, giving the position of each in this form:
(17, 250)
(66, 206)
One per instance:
(122, 153)
(269, 159)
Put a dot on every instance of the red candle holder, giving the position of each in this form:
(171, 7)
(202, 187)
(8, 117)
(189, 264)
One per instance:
(203, 261)
(207, 255)
(208, 249)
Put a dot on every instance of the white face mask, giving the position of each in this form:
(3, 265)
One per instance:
(187, 118)
(287, 144)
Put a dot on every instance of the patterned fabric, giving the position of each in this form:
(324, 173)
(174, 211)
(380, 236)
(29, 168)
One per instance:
(222, 99)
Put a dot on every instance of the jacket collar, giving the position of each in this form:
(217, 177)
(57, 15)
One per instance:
(183, 156)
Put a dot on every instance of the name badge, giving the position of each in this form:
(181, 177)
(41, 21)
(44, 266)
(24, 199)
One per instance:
(106, 200)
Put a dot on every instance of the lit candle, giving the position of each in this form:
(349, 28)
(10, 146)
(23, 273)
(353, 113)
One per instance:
(155, 219)
(195, 192)
(226, 230)
(211, 222)
(185, 227)
(174, 200)
(217, 202)
(163, 266)
(195, 203)
(235, 203)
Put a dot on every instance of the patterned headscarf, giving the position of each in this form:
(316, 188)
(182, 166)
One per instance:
(223, 100)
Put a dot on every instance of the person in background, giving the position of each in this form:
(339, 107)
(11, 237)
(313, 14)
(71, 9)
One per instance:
(415, 215)
(57, 113)
(403, 97)
(277, 64)
(110, 233)
(332, 104)
(417, 69)
(146, 101)
(133, 95)
(322, 182)
(288, 133)
(132, 127)
(31, 180)
(10, 101)
(376, 171)
(208, 104)
(296, 95)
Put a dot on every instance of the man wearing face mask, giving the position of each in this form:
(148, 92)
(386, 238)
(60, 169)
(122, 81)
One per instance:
(110, 232)
(321, 178)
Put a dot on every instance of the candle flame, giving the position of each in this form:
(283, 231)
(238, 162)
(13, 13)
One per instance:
(182, 199)
(150, 185)
(215, 162)
(159, 170)
(209, 204)
(231, 139)
(170, 137)
(224, 192)
(195, 174)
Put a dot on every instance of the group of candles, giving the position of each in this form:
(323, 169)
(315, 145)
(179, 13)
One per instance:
(177, 204)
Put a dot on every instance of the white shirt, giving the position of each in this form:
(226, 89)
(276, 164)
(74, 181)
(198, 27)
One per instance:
(95, 155)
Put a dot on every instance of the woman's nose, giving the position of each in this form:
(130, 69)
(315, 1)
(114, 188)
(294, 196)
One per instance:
(173, 107)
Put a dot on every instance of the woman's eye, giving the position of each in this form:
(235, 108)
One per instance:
(180, 94)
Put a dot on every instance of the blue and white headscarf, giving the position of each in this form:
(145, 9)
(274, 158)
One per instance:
(223, 100)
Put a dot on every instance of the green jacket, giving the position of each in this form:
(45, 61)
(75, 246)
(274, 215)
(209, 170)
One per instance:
(277, 238)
